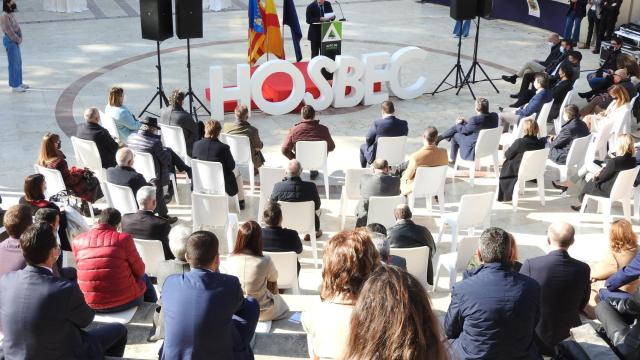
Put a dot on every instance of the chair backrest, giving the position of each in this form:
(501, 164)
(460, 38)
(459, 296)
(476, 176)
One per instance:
(542, 118)
(287, 265)
(381, 209)
(352, 179)
(209, 210)
(87, 154)
(600, 140)
(621, 125)
(240, 147)
(269, 176)
(122, 198)
(55, 182)
(577, 151)
(151, 253)
(467, 247)
(429, 180)
(391, 149)
(533, 164)
(143, 164)
(623, 186)
(312, 155)
(173, 137)
(417, 261)
(298, 216)
(207, 177)
(474, 209)
(488, 141)
(109, 124)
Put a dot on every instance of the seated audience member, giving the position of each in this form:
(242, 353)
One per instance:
(620, 104)
(558, 92)
(275, 238)
(379, 183)
(384, 249)
(609, 66)
(52, 217)
(630, 64)
(212, 149)
(43, 316)
(91, 130)
(242, 127)
(257, 273)
(542, 96)
(572, 128)
(34, 197)
(175, 115)
(602, 182)
(536, 66)
(565, 284)
(125, 121)
(380, 331)
(293, 189)
(625, 277)
(512, 316)
(428, 155)
(464, 134)
(219, 322)
(407, 234)
(309, 129)
(387, 126)
(144, 224)
(16, 220)
(119, 283)
(349, 259)
(513, 264)
(513, 157)
(619, 319)
(599, 96)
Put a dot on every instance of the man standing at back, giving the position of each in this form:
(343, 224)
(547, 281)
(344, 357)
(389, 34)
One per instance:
(494, 312)
(380, 183)
(565, 286)
(387, 126)
(91, 130)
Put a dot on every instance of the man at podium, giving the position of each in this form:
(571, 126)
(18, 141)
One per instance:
(318, 11)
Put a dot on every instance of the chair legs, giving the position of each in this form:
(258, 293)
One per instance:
(252, 177)
(314, 247)
(540, 181)
(326, 183)
(174, 183)
(236, 201)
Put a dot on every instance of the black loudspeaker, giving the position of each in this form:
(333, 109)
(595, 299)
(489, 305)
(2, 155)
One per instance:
(156, 19)
(463, 9)
(189, 19)
(484, 8)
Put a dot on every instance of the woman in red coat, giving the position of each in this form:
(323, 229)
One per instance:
(110, 270)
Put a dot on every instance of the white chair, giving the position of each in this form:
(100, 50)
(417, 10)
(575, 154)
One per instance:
(456, 262)
(55, 182)
(173, 137)
(417, 261)
(213, 211)
(621, 192)
(575, 158)
(557, 122)
(88, 156)
(151, 253)
(287, 265)
(144, 164)
(621, 125)
(300, 216)
(392, 149)
(531, 168)
(486, 148)
(208, 178)
(68, 260)
(599, 140)
(429, 182)
(474, 212)
(241, 152)
(269, 176)
(543, 117)
(381, 209)
(350, 192)
(121, 317)
(110, 125)
(516, 131)
(122, 198)
(312, 155)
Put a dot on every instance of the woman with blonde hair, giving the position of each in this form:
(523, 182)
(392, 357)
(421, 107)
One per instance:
(125, 121)
(621, 103)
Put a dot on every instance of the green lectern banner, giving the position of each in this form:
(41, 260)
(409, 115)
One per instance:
(331, 39)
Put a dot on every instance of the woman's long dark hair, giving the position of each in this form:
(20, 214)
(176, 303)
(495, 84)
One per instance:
(249, 239)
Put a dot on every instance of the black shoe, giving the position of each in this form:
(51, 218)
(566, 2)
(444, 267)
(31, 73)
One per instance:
(171, 219)
(511, 79)
(500, 108)
(451, 163)
(514, 105)
(514, 96)
(313, 174)
(559, 187)
(241, 203)
(576, 207)
(438, 139)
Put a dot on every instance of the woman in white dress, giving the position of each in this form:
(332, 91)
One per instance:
(615, 111)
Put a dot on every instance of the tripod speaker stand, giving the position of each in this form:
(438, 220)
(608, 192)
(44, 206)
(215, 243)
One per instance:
(457, 68)
(475, 64)
(192, 110)
(159, 92)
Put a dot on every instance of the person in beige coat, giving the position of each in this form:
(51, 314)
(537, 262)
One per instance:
(242, 127)
(429, 155)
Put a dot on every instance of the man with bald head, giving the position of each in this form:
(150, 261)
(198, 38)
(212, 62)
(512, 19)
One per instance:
(91, 130)
(565, 286)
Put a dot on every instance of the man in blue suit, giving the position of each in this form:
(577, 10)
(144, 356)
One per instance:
(42, 316)
(464, 134)
(542, 96)
(206, 316)
(388, 126)
(494, 312)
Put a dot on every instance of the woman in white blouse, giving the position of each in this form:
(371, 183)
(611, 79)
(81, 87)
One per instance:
(616, 110)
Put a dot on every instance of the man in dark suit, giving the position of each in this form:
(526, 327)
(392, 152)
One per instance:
(569, 56)
(42, 316)
(206, 316)
(388, 126)
(607, 68)
(175, 115)
(542, 96)
(494, 312)
(144, 224)
(565, 285)
(609, 11)
(317, 12)
(572, 128)
(559, 91)
(535, 66)
(91, 130)
(380, 183)
(407, 234)
(464, 134)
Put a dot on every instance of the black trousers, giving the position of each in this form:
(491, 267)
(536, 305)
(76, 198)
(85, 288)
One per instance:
(606, 26)
(315, 48)
(593, 27)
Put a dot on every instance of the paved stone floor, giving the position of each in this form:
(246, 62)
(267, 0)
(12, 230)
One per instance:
(71, 60)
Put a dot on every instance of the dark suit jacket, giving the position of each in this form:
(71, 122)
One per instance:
(407, 234)
(554, 53)
(565, 285)
(126, 176)
(375, 185)
(604, 183)
(386, 127)
(511, 166)
(579, 7)
(149, 142)
(179, 117)
(215, 150)
(146, 226)
(107, 147)
(559, 147)
(313, 15)
(203, 329)
(42, 316)
(295, 190)
(611, 62)
(277, 239)
(535, 104)
(611, 7)
(558, 93)
(470, 129)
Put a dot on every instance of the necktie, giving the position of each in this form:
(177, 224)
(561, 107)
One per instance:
(321, 9)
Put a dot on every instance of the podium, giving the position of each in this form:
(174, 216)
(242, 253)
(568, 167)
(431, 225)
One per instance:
(331, 38)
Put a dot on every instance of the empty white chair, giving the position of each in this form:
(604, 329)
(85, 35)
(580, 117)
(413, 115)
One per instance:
(287, 265)
(151, 253)
(620, 192)
(312, 155)
(144, 164)
(543, 117)
(300, 216)
(110, 125)
(122, 198)
(381, 209)
(456, 262)
(474, 212)
(486, 149)
(531, 168)
(241, 151)
(350, 192)
(88, 156)
(173, 137)
(269, 176)
(575, 158)
(429, 182)
(417, 261)
(392, 149)
(213, 211)
(55, 182)
(208, 178)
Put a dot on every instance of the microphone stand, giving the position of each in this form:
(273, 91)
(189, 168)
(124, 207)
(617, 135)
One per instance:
(342, 12)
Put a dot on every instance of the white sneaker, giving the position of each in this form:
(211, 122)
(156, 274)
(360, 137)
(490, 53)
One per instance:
(19, 89)
(24, 86)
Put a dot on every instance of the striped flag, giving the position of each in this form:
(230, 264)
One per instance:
(264, 31)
